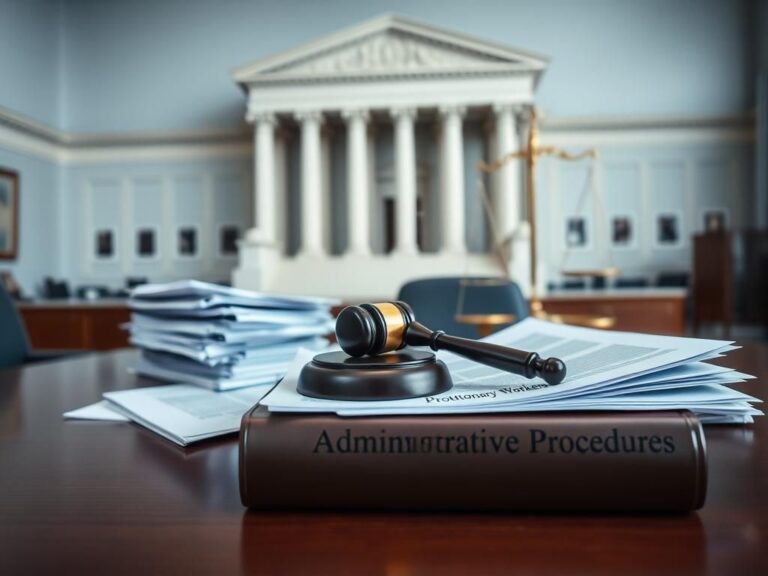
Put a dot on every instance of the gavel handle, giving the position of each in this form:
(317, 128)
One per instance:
(501, 357)
(528, 364)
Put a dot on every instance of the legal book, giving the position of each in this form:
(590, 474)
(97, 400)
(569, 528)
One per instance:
(558, 461)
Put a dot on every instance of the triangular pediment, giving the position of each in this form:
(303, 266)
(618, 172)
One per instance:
(389, 45)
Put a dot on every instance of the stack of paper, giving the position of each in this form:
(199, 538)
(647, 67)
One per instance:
(606, 371)
(222, 338)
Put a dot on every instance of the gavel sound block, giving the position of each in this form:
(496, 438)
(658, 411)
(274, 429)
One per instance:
(375, 365)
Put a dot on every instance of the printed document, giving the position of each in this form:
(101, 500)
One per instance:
(605, 371)
(183, 413)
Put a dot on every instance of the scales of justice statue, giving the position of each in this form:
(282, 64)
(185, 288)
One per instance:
(530, 154)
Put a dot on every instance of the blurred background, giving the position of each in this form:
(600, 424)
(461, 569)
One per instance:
(349, 148)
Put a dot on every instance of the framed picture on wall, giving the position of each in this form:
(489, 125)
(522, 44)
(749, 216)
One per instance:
(623, 231)
(229, 234)
(576, 232)
(186, 242)
(146, 243)
(669, 232)
(9, 214)
(714, 220)
(105, 248)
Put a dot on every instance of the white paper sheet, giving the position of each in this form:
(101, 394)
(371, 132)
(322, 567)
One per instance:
(185, 414)
(195, 295)
(101, 411)
(596, 361)
(228, 319)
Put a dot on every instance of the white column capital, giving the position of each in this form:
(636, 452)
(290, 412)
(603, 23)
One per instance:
(452, 110)
(308, 115)
(264, 117)
(408, 112)
(506, 108)
(350, 114)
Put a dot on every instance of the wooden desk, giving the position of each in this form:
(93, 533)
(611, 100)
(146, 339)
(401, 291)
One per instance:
(102, 498)
(75, 324)
(651, 310)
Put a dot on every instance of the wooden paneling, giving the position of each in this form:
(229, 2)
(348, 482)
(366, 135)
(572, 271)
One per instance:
(655, 315)
(75, 327)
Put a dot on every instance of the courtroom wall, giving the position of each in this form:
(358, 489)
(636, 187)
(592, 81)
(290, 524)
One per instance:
(164, 66)
(136, 73)
(39, 205)
(205, 197)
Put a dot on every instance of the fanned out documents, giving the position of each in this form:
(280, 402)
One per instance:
(222, 338)
(606, 371)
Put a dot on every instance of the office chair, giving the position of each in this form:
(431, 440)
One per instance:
(14, 346)
(434, 302)
(14, 349)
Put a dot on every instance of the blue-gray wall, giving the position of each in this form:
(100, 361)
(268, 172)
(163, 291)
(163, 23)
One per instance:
(30, 58)
(38, 239)
(163, 196)
(90, 66)
(641, 182)
(30, 74)
(163, 64)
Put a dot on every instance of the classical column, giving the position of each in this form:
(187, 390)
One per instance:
(264, 218)
(375, 215)
(326, 187)
(452, 202)
(508, 194)
(282, 137)
(405, 180)
(358, 193)
(311, 184)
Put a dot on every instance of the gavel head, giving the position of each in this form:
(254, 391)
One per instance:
(371, 329)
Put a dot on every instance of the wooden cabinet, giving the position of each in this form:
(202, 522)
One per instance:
(75, 325)
(655, 311)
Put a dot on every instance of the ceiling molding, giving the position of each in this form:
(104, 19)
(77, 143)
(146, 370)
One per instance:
(589, 123)
(29, 136)
(72, 140)
(20, 133)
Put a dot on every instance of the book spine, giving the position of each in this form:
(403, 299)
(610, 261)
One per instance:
(527, 462)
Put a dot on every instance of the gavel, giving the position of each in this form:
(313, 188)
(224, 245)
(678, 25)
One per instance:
(374, 329)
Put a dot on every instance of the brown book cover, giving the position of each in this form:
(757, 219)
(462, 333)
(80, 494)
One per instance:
(561, 461)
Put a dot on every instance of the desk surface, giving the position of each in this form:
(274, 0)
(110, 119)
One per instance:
(95, 498)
